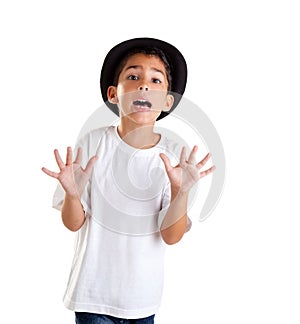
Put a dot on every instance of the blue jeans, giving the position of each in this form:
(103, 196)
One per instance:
(90, 318)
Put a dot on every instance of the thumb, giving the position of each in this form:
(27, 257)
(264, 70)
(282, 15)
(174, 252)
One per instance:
(166, 161)
(89, 167)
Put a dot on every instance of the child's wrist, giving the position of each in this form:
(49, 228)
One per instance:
(178, 192)
(72, 196)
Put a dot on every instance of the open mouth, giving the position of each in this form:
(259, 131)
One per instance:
(140, 103)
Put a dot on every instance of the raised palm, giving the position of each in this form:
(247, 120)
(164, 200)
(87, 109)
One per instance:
(186, 173)
(72, 176)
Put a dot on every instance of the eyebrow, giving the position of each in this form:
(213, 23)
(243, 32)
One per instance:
(139, 67)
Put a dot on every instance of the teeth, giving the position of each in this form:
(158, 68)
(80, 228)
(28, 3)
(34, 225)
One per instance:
(141, 102)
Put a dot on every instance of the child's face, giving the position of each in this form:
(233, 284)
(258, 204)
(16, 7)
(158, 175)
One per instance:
(142, 90)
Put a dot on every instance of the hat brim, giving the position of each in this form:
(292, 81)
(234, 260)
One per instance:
(176, 60)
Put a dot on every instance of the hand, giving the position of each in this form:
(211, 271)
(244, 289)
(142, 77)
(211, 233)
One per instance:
(72, 176)
(185, 174)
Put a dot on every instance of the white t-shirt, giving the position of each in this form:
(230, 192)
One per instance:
(118, 263)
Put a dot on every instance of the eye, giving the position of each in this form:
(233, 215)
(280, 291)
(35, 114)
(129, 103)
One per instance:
(156, 81)
(132, 77)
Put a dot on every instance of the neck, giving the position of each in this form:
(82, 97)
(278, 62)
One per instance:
(140, 136)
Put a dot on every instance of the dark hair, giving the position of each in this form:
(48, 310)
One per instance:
(147, 51)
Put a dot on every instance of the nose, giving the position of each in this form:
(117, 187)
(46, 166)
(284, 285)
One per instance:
(143, 87)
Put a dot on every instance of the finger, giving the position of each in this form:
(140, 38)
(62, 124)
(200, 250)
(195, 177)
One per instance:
(207, 172)
(58, 159)
(50, 173)
(69, 158)
(78, 156)
(90, 165)
(192, 157)
(182, 160)
(166, 161)
(202, 163)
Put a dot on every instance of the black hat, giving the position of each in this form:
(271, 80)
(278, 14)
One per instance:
(117, 53)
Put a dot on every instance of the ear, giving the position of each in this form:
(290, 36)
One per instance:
(112, 95)
(169, 102)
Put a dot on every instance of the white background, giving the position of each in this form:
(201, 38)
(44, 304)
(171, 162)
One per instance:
(239, 266)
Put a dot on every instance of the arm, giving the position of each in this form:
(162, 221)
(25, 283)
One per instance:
(182, 178)
(72, 213)
(174, 223)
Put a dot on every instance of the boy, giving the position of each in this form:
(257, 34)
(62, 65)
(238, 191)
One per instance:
(129, 201)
